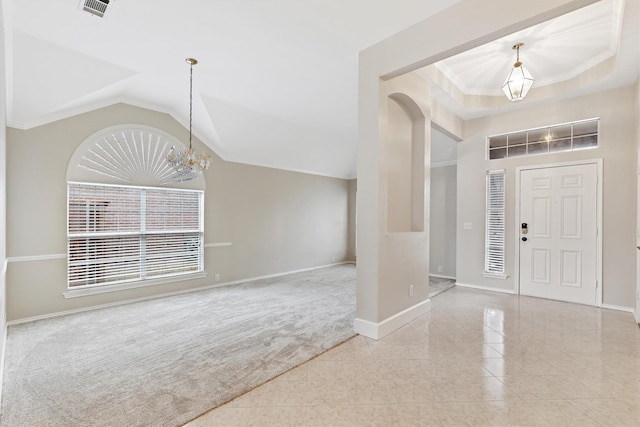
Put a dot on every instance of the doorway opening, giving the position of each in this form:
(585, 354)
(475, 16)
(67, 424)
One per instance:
(443, 211)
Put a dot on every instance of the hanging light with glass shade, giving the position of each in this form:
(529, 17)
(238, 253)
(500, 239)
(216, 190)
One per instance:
(519, 80)
(187, 162)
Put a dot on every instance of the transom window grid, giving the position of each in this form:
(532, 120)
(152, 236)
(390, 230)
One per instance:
(122, 234)
(557, 138)
(495, 223)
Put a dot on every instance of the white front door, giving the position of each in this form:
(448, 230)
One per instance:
(558, 233)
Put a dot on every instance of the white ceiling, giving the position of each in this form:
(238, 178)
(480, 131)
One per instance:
(276, 83)
(591, 49)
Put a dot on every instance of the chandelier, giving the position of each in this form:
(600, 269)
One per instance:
(519, 80)
(187, 162)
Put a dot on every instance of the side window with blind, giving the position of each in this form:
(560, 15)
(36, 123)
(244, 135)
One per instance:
(495, 224)
(119, 234)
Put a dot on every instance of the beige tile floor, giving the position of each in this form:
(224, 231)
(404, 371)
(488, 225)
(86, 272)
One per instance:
(478, 359)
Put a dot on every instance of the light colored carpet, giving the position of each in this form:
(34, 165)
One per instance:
(165, 361)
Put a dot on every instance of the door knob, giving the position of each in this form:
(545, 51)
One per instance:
(524, 239)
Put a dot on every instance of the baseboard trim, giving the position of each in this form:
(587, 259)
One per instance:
(378, 330)
(97, 290)
(441, 276)
(3, 311)
(619, 308)
(486, 288)
(162, 295)
(2, 357)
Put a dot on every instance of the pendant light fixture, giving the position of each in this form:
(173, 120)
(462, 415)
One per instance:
(519, 80)
(187, 162)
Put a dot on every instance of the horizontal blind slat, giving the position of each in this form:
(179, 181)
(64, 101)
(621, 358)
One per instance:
(118, 233)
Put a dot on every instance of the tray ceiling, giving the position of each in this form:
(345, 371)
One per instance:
(276, 84)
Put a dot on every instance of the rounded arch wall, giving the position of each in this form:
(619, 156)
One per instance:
(405, 151)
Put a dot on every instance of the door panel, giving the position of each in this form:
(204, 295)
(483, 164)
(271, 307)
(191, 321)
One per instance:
(571, 268)
(540, 265)
(558, 245)
(571, 215)
(541, 224)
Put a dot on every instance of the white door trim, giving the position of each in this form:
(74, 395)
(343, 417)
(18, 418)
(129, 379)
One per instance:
(598, 163)
(636, 312)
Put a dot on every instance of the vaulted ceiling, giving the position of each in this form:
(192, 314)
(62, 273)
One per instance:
(276, 84)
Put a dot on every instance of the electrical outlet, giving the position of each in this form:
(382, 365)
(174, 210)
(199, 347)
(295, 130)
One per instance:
(439, 269)
(217, 277)
(410, 290)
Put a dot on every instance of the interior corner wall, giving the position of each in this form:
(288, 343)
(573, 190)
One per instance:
(404, 251)
(399, 172)
(3, 200)
(397, 55)
(442, 238)
(276, 221)
(351, 242)
(617, 145)
(637, 115)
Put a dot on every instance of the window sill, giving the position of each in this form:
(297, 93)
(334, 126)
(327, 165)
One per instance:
(74, 293)
(501, 276)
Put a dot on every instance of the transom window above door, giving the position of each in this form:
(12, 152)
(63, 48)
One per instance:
(549, 139)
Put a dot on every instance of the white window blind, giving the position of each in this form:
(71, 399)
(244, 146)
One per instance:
(495, 217)
(121, 234)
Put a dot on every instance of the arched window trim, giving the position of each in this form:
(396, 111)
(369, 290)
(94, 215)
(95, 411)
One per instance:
(131, 221)
(129, 155)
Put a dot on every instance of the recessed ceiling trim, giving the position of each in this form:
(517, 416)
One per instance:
(602, 22)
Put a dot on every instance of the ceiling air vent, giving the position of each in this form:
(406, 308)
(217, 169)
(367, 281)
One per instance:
(96, 7)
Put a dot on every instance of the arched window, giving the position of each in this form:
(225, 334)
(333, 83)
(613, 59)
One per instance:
(131, 218)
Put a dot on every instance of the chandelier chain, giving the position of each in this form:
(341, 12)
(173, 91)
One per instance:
(187, 163)
(190, 101)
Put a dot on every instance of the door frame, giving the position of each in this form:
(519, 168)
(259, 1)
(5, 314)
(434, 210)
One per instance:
(598, 163)
(636, 312)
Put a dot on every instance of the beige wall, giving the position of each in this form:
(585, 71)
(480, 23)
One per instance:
(382, 298)
(3, 144)
(404, 237)
(398, 155)
(637, 115)
(351, 245)
(618, 127)
(442, 228)
(276, 221)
